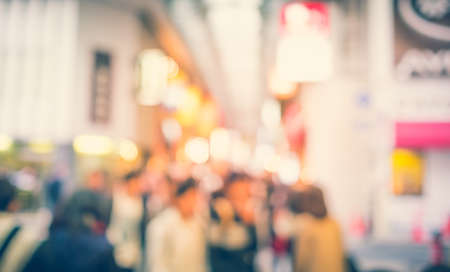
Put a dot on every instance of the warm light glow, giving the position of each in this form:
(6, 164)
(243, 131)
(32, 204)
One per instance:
(41, 146)
(207, 119)
(171, 130)
(271, 114)
(197, 150)
(220, 144)
(289, 169)
(189, 107)
(128, 150)
(6, 143)
(281, 88)
(93, 145)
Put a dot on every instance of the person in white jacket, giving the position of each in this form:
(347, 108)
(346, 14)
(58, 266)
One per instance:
(176, 237)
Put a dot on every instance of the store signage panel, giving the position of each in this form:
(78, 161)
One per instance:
(407, 172)
(422, 39)
(422, 135)
(101, 88)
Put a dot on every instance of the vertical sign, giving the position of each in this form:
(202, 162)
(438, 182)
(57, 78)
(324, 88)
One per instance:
(101, 88)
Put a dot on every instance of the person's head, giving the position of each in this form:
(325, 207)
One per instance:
(97, 181)
(186, 198)
(132, 181)
(8, 193)
(238, 188)
(309, 200)
(85, 211)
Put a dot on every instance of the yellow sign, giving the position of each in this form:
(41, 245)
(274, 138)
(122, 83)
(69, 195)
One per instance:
(407, 172)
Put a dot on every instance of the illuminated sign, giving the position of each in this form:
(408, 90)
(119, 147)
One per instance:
(304, 52)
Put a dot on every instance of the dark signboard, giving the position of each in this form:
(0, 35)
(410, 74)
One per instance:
(101, 88)
(422, 39)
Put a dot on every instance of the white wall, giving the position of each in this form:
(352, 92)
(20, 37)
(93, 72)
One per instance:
(339, 155)
(115, 30)
(37, 55)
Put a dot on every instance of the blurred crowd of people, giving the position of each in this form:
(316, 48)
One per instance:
(171, 221)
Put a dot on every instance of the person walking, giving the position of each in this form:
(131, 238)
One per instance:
(176, 240)
(232, 229)
(317, 237)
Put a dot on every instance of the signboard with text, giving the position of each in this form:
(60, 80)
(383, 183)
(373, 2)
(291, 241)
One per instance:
(422, 39)
(101, 88)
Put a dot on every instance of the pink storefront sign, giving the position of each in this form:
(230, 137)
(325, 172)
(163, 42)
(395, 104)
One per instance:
(422, 135)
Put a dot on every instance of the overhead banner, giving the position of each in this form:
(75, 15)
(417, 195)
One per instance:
(422, 39)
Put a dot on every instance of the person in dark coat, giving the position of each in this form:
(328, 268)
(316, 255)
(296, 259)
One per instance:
(77, 240)
(232, 230)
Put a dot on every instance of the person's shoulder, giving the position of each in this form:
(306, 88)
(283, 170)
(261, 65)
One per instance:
(166, 217)
(332, 222)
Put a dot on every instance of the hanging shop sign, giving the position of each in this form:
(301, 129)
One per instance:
(154, 69)
(101, 88)
(422, 39)
(304, 52)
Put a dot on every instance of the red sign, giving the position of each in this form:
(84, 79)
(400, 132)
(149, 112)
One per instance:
(310, 14)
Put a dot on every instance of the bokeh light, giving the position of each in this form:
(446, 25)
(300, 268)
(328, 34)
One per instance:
(197, 150)
(6, 143)
(128, 150)
(289, 169)
(189, 107)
